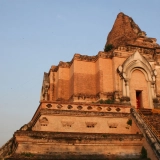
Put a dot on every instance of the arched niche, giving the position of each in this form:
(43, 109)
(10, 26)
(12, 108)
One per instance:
(136, 62)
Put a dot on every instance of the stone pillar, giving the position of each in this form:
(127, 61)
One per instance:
(127, 88)
(124, 88)
(46, 92)
(153, 89)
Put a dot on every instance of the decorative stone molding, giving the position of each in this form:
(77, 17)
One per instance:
(89, 107)
(67, 123)
(48, 105)
(79, 107)
(99, 108)
(132, 48)
(146, 52)
(69, 107)
(45, 136)
(109, 109)
(112, 125)
(59, 106)
(43, 120)
(136, 62)
(118, 109)
(90, 124)
(83, 113)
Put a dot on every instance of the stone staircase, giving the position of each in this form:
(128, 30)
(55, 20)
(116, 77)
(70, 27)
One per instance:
(147, 129)
(145, 111)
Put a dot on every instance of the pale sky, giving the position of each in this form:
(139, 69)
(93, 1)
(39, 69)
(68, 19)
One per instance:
(35, 34)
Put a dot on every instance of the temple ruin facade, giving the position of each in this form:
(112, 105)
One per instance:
(96, 107)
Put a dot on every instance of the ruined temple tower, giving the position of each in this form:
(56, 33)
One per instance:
(89, 106)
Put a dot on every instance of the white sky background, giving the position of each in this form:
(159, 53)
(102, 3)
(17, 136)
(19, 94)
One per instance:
(35, 34)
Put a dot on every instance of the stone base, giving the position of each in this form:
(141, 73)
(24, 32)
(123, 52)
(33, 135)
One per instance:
(61, 145)
(68, 156)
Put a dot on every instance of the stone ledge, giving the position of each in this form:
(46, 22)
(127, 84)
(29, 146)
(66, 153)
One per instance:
(73, 156)
(82, 113)
(77, 135)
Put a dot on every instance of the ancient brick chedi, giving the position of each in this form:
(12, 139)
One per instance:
(90, 107)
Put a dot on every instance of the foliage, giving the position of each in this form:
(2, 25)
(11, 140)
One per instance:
(108, 101)
(129, 122)
(108, 47)
(143, 153)
(125, 99)
(27, 154)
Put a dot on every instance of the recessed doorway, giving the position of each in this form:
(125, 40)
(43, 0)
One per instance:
(139, 99)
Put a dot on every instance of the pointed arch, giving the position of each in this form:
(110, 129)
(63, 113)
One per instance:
(137, 62)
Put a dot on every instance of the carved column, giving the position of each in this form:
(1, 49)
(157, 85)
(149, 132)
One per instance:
(46, 92)
(124, 88)
(127, 87)
(153, 89)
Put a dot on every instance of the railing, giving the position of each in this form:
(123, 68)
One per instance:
(148, 131)
(151, 127)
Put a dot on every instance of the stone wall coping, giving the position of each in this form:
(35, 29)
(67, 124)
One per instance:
(76, 135)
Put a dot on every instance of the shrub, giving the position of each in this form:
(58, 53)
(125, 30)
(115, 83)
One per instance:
(143, 153)
(129, 122)
(108, 101)
(108, 47)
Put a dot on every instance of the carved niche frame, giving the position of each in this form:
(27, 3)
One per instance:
(137, 62)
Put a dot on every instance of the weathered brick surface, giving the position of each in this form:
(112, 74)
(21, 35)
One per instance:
(124, 30)
(106, 75)
(84, 83)
(63, 89)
